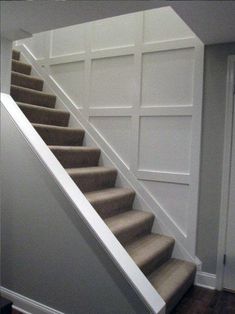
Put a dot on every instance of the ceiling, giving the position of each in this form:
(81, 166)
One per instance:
(212, 21)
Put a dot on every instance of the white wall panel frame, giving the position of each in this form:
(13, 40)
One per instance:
(136, 112)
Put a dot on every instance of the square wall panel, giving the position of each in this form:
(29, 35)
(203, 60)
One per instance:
(164, 24)
(168, 77)
(116, 132)
(173, 199)
(112, 82)
(114, 32)
(37, 44)
(68, 40)
(70, 79)
(165, 144)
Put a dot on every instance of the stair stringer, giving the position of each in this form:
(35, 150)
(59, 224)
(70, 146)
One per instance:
(19, 134)
(163, 223)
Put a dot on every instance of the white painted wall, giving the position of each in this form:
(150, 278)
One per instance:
(136, 83)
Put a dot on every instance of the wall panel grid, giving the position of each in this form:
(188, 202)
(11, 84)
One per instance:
(131, 72)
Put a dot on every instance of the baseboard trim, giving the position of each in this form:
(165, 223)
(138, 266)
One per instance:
(205, 280)
(26, 305)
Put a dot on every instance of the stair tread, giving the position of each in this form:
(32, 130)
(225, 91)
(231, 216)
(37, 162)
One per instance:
(27, 76)
(28, 81)
(21, 62)
(60, 135)
(148, 247)
(15, 54)
(124, 220)
(44, 109)
(57, 127)
(33, 91)
(172, 279)
(87, 170)
(110, 193)
(21, 67)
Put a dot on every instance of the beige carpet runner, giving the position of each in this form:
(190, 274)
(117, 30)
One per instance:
(151, 252)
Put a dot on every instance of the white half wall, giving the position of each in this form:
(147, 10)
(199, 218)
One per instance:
(135, 83)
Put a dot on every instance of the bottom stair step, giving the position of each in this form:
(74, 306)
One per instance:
(172, 280)
(130, 224)
(150, 251)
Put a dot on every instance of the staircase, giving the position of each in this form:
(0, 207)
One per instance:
(151, 252)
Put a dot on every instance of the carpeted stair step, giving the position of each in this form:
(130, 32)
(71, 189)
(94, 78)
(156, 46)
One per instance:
(15, 55)
(109, 202)
(32, 97)
(93, 178)
(76, 156)
(172, 280)
(27, 81)
(43, 115)
(150, 251)
(58, 135)
(126, 226)
(21, 67)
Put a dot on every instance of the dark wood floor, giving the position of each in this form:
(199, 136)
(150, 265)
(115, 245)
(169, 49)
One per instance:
(202, 301)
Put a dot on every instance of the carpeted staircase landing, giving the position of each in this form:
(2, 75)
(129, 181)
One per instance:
(151, 252)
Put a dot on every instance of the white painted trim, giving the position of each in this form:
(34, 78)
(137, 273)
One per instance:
(160, 176)
(195, 147)
(175, 44)
(183, 246)
(169, 111)
(84, 209)
(205, 280)
(26, 305)
(225, 171)
(128, 173)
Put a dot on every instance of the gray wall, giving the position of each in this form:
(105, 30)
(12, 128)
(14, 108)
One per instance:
(48, 254)
(212, 152)
(5, 65)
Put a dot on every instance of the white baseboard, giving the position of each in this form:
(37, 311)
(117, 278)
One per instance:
(26, 305)
(205, 280)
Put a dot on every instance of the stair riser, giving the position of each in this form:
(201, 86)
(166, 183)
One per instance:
(28, 82)
(58, 137)
(134, 231)
(108, 208)
(16, 55)
(156, 262)
(94, 182)
(36, 115)
(181, 292)
(77, 159)
(21, 67)
(33, 98)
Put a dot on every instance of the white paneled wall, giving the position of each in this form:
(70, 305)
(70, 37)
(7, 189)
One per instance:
(137, 80)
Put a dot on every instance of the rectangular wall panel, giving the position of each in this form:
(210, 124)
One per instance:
(164, 144)
(163, 25)
(112, 82)
(168, 77)
(173, 198)
(71, 79)
(116, 131)
(68, 40)
(114, 32)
